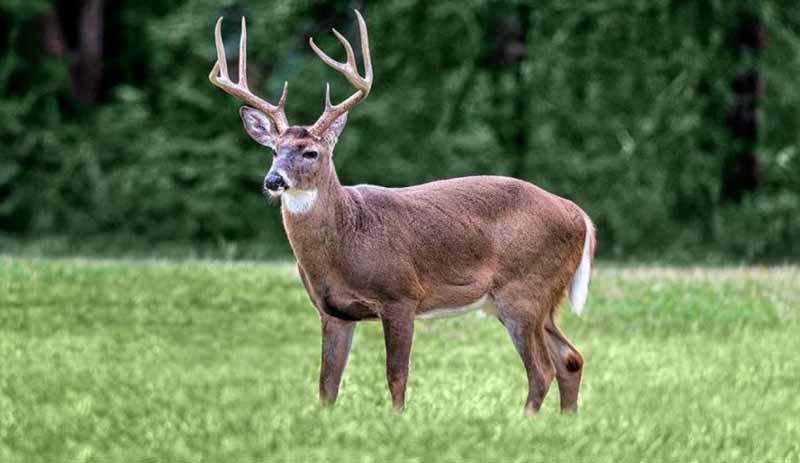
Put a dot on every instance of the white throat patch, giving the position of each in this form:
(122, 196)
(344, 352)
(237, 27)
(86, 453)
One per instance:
(298, 201)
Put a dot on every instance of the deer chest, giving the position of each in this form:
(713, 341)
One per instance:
(335, 299)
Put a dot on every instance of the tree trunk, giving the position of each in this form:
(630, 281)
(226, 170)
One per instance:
(86, 59)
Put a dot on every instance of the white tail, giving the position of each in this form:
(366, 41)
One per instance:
(579, 289)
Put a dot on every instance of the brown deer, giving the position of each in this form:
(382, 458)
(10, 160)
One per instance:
(398, 254)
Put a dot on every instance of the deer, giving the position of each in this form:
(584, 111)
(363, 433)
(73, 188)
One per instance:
(396, 255)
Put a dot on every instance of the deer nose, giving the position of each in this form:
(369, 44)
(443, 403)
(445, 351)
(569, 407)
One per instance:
(274, 182)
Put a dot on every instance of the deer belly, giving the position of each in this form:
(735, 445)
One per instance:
(485, 303)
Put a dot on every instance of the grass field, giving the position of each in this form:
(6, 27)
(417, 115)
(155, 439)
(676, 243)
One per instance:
(133, 361)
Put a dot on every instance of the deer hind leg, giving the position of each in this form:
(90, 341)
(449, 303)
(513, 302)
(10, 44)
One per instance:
(569, 366)
(526, 327)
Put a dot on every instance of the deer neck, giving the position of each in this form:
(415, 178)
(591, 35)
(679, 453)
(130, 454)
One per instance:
(316, 234)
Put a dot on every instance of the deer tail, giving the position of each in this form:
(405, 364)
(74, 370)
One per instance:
(579, 288)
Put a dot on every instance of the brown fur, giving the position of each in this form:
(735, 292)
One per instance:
(368, 252)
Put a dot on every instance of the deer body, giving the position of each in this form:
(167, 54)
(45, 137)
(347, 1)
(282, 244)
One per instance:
(444, 244)
(398, 254)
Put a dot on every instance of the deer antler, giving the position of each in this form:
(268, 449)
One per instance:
(219, 77)
(350, 71)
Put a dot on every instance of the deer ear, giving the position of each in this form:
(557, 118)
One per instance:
(331, 135)
(258, 126)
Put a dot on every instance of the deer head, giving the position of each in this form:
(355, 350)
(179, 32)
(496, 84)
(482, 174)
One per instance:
(302, 155)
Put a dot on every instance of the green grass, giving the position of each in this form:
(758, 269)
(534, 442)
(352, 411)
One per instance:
(189, 361)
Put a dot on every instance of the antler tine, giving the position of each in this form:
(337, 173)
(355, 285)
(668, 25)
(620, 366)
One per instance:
(362, 30)
(220, 78)
(324, 57)
(350, 70)
(222, 60)
(328, 95)
(348, 49)
(243, 55)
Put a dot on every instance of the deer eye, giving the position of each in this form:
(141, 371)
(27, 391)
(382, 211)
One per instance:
(310, 154)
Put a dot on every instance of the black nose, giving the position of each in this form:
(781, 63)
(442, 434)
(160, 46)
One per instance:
(274, 182)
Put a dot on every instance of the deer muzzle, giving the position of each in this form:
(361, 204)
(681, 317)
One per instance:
(274, 183)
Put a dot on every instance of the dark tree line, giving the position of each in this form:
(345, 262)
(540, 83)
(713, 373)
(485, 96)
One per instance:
(673, 123)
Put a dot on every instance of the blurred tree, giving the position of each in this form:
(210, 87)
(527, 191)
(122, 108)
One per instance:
(86, 55)
(109, 127)
(505, 55)
(741, 173)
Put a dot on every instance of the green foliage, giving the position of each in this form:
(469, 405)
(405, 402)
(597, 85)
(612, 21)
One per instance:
(619, 105)
(122, 361)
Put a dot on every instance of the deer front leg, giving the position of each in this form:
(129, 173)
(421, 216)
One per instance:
(398, 333)
(337, 337)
